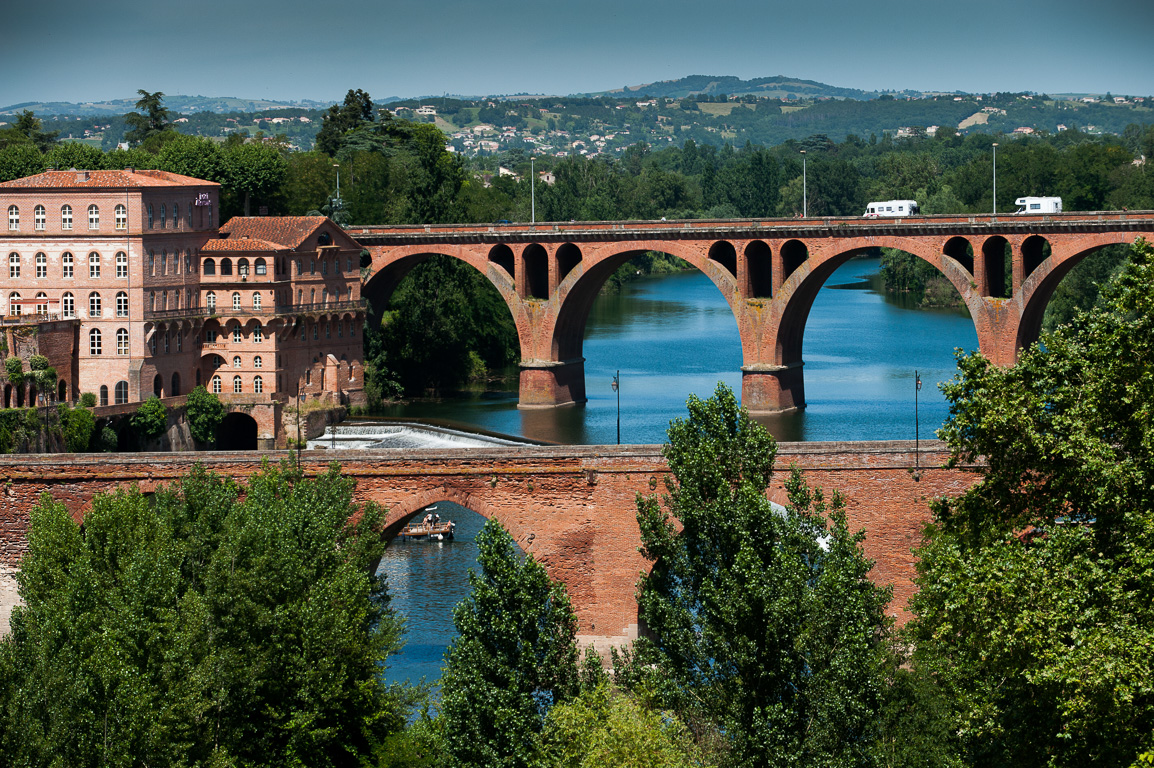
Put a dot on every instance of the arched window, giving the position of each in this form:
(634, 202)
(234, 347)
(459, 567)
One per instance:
(104, 394)
(312, 266)
(226, 266)
(336, 296)
(210, 301)
(94, 346)
(257, 384)
(122, 265)
(93, 217)
(94, 304)
(257, 362)
(66, 263)
(152, 262)
(237, 385)
(121, 392)
(340, 328)
(209, 267)
(236, 336)
(176, 260)
(235, 300)
(261, 267)
(325, 296)
(121, 217)
(94, 264)
(68, 305)
(324, 266)
(175, 382)
(42, 303)
(258, 334)
(179, 344)
(216, 385)
(316, 331)
(150, 220)
(152, 301)
(40, 215)
(13, 217)
(122, 341)
(189, 216)
(167, 338)
(236, 361)
(164, 262)
(66, 217)
(121, 304)
(255, 300)
(242, 267)
(13, 265)
(163, 216)
(175, 215)
(158, 385)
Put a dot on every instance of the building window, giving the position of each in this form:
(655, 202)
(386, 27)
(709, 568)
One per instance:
(242, 267)
(237, 386)
(13, 265)
(235, 300)
(166, 341)
(236, 361)
(150, 219)
(236, 337)
(179, 343)
(216, 385)
(122, 264)
(210, 301)
(42, 303)
(94, 305)
(256, 301)
(261, 267)
(121, 392)
(121, 341)
(104, 394)
(210, 336)
(257, 362)
(209, 267)
(152, 301)
(258, 334)
(152, 344)
(14, 303)
(66, 261)
(93, 217)
(94, 349)
(175, 215)
(341, 328)
(41, 217)
(176, 260)
(226, 266)
(190, 215)
(66, 217)
(187, 261)
(164, 262)
(68, 305)
(257, 385)
(121, 217)
(316, 331)
(122, 304)
(41, 265)
(13, 217)
(152, 263)
(163, 216)
(324, 266)
(94, 264)
(328, 330)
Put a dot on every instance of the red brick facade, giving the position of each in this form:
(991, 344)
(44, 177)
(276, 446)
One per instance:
(573, 507)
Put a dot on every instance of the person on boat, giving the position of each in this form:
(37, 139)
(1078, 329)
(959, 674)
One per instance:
(436, 518)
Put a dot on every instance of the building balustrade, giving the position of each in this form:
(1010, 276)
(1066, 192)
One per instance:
(277, 310)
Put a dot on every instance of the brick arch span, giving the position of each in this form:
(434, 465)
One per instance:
(1039, 285)
(391, 265)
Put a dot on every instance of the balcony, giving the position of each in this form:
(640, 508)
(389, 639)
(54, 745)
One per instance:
(280, 310)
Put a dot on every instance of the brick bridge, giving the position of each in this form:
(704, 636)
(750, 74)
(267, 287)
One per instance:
(573, 507)
(769, 271)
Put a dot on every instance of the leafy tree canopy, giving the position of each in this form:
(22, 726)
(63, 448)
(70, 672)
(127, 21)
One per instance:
(150, 128)
(204, 412)
(151, 418)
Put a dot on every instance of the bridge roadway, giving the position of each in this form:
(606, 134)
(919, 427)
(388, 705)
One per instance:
(573, 507)
(769, 270)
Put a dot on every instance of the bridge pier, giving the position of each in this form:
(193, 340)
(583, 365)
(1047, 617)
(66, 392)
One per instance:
(772, 388)
(551, 383)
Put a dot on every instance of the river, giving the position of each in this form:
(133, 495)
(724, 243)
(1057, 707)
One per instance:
(671, 336)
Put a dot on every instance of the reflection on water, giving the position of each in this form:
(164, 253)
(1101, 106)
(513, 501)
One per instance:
(674, 335)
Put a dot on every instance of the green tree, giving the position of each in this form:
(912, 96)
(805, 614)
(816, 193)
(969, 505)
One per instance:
(27, 129)
(149, 127)
(194, 156)
(255, 170)
(197, 628)
(356, 110)
(204, 412)
(73, 154)
(76, 426)
(514, 657)
(1036, 601)
(20, 160)
(764, 621)
(151, 418)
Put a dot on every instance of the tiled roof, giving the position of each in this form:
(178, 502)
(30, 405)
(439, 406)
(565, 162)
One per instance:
(289, 231)
(104, 179)
(237, 244)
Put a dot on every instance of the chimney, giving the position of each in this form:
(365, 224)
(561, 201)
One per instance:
(81, 175)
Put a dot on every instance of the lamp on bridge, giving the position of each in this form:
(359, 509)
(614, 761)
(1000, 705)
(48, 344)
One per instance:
(338, 167)
(995, 178)
(804, 196)
(917, 430)
(617, 389)
(533, 187)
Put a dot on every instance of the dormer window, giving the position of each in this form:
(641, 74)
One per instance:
(324, 238)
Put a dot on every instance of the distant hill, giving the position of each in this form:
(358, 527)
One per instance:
(176, 103)
(779, 87)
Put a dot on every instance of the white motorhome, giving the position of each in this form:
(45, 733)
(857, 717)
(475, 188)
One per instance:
(1038, 205)
(891, 208)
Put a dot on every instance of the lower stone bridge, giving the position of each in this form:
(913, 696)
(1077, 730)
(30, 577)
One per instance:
(572, 507)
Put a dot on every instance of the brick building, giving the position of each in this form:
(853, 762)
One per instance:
(167, 299)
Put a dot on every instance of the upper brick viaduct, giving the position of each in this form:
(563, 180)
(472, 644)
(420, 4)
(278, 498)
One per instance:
(769, 271)
(573, 507)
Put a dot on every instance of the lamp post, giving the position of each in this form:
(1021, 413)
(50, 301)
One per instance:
(298, 427)
(995, 178)
(917, 430)
(804, 194)
(533, 187)
(617, 389)
(338, 167)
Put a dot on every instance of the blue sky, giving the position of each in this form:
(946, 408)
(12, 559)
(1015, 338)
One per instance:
(291, 49)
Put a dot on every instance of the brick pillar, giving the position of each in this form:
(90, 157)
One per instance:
(548, 384)
(772, 388)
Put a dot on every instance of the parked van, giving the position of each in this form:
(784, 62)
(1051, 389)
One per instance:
(891, 208)
(1038, 205)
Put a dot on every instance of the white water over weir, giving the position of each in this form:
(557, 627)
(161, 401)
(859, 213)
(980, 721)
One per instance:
(364, 436)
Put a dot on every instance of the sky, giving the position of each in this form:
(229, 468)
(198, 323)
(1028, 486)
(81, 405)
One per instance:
(81, 50)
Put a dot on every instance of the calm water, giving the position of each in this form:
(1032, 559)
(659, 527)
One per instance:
(669, 337)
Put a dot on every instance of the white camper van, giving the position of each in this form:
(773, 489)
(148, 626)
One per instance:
(891, 208)
(1038, 205)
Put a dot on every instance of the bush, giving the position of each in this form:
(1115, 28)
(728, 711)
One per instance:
(88, 400)
(14, 369)
(205, 412)
(151, 418)
(77, 426)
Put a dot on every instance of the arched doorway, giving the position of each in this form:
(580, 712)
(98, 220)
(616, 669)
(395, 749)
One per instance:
(238, 432)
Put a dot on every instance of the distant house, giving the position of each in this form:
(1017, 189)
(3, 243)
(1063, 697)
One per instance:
(1023, 130)
(425, 111)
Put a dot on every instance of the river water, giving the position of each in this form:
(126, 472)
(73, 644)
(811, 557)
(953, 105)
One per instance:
(671, 336)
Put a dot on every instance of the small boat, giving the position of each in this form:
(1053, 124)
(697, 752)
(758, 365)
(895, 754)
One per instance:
(427, 530)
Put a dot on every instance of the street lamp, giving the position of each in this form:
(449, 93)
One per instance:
(617, 389)
(533, 187)
(995, 178)
(917, 430)
(804, 195)
(338, 167)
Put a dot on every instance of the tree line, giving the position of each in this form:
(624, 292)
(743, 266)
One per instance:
(218, 624)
